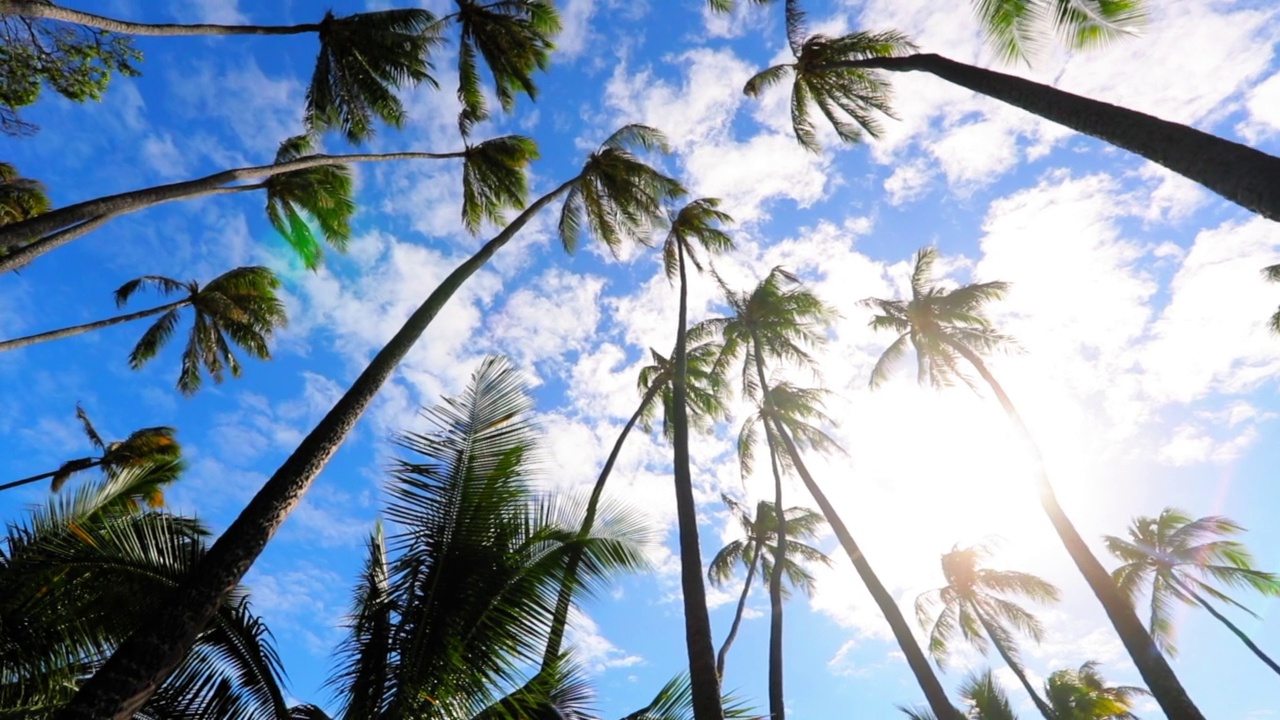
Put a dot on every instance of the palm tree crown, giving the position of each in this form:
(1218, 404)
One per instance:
(1176, 558)
(20, 198)
(1083, 694)
(324, 193)
(239, 306)
(760, 533)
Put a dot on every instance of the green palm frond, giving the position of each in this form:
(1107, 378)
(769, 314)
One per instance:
(694, 226)
(20, 198)
(986, 699)
(1083, 693)
(515, 38)
(324, 194)
(761, 530)
(494, 179)
(705, 395)
(364, 58)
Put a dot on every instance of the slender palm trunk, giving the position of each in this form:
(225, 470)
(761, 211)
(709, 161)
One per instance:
(40, 226)
(555, 636)
(916, 660)
(703, 679)
(1159, 677)
(1239, 173)
(81, 464)
(1222, 619)
(1014, 665)
(28, 8)
(777, 705)
(21, 342)
(742, 605)
(140, 664)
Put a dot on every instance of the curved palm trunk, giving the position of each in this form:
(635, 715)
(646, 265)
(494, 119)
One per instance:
(40, 226)
(1241, 174)
(703, 679)
(777, 705)
(555, 636)
(83, 464)
(737, 616)
(919, 664)
(143, 661)
(1222, 619)
(27, 8)
(1014, 665)
(74, 330)
(1159, 677)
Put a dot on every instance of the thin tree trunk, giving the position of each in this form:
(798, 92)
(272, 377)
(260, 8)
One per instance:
(28, 8)
(23, 232)
(1151, 664)
(1222, 619)
(703, 679)
(737, 616)
(87, 327)
(1241, 174)
(88, 463)
(1041, 705)
(141, 663)
(555, 636)
(919, 664)
(777, 704)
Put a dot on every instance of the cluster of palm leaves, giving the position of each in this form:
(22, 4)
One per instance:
(113, 607)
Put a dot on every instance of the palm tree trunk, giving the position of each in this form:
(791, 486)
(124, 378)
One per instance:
(555, 636)
(737, 616)
(919, 664)
(87, 327)
(25, 231)
(1151, 664)
(145, 659)
(703, 678)
(28, 8)
(777, 705)
(1241, 174)
(1014, 665)
(1222, 619)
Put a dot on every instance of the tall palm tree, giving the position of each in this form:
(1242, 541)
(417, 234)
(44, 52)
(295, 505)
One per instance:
(20, 198)
(457, 602)
(974, 603)
(85, 569)
(757, 549)
(617, 196)
(1083, 694)
(706, 397)
(239, 305)
(154, 449)
(840, 76)
(947, 325)
(300, 183)
(1173, 557)
(777, 321)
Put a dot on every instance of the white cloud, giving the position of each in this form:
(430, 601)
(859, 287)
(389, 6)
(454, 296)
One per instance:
(1263, 106)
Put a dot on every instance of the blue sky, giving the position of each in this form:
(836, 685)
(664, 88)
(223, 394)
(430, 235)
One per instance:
(1145, 370)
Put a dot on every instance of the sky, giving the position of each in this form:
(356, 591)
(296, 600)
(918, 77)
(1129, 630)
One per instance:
(1144, 368)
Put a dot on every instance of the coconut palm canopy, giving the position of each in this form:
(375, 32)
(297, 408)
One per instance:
(1144, 367)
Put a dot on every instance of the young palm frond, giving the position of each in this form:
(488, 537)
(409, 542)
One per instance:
(515, 38)
(617, 196)
(848, 98)
(20, 198)
(324, 193)
(363, 58)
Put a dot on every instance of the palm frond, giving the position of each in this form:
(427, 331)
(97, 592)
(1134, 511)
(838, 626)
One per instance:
(494, 179)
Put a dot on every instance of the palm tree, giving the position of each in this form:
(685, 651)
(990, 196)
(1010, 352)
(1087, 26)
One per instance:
(985, 698)
(615, 196)
(298, 184)
(1271, 273)
(943, 326)
(839, 76)
(705, 396)
(456, 603)
(153, 448)
(1084, 695)
(515, 38)
(757, 549)
(239, 305)
(20, 198)
(81, 572)
(1177, 557)
(973, 603)
(777, 321)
